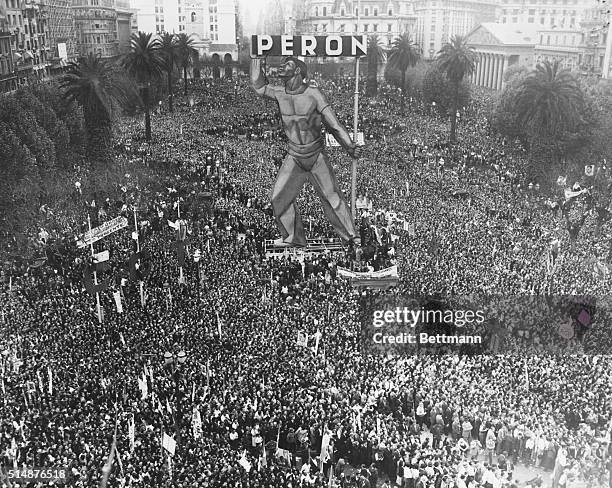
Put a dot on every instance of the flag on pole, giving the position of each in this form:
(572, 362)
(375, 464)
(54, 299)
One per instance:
(169, 444)
(317, 337)
(218, 324)
(50, 380)
(106, 470)
(244, 462)
(118, 304)
(142, 384)
(132, 432)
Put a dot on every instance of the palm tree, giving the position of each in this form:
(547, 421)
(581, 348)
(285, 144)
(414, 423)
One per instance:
(98, 87)
(549, 100)
(186, 54)
(168, 51)
(456, 59)
(145, 64)
(375, 56)
(404, 54)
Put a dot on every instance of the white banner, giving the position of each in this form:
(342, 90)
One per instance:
(331, 141)
(169, 444)
(102, 231)
(101, 257)
(117, 297)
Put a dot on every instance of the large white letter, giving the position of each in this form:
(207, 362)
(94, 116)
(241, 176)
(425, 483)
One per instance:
(328, 49)
(309, 44)
(287, 45)
(263, 46)
(358, 41)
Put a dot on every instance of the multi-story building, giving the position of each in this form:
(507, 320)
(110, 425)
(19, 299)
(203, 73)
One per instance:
(36, 53)
(124, 24)
(7, 71)
(211, 23)
(546, 14)
(594, 40)
(102, 27)
(439, 20)
(499, 46)
(385, 18)
(563, 45)
(61, 40)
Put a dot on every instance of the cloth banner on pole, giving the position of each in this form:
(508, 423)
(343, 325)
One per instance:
(169, 444)
(118, 304)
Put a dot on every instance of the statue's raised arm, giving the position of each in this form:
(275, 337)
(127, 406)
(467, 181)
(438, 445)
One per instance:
(259, 81)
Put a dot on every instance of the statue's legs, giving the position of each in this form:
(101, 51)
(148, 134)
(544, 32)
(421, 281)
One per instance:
(289, 181)
(336, 210)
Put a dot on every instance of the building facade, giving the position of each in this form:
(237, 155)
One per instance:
(500, 46)
(439, 20)
(211, 23)
(102, 27)
(385, 18)
(61, 39)
(7, 70)
(546, 14)
(562, 45)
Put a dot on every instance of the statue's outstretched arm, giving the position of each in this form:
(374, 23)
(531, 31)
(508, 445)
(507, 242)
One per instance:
(258, 80)
(332, 123)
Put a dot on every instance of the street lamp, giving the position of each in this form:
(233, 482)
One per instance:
(175, 362)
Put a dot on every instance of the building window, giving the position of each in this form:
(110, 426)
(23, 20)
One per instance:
(375, 27)
(324, 11)
(193, 16)
(324, 27)
(366, 12)
(342, 12)
(341, 27)
(390, 12)
(389, 27)
(375, 12)
(366, 28)
(316, 12)
(530, 20)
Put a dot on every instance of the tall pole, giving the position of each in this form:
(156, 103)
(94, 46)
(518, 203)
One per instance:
(95, 275)
(355, 125)
(605, 73)
(179, 217)
(138, 250)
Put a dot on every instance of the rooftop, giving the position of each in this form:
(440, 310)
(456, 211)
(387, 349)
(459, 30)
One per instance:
(512, 34)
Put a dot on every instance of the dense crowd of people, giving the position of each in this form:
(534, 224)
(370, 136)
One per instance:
(206, 350)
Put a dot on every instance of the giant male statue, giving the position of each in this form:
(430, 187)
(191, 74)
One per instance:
(303, 107)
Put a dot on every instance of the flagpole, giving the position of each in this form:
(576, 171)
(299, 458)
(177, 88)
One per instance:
(138, 250)
(355, 128)
(178, 207)
(95, 274)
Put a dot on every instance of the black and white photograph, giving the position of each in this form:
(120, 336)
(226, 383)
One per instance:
(305, 244)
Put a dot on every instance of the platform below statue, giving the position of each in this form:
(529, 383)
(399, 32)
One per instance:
(315, 246)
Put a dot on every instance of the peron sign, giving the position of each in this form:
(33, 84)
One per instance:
(265, 45)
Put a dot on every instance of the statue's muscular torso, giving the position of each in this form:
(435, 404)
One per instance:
(303, 111)
(300, 114)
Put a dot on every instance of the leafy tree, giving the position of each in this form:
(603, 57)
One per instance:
(168, 51)
(98, 87)
(186, 54)
(403, 55)
(145, 64)
(69, 113)
(457, 60)
(436, 87)
(375, 56)
(549, 100)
